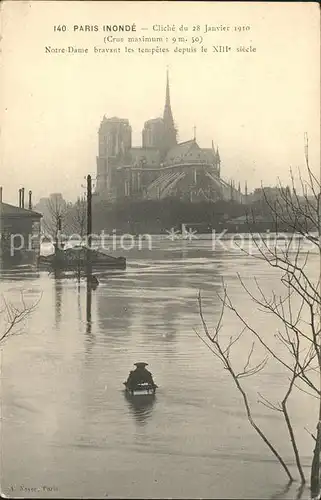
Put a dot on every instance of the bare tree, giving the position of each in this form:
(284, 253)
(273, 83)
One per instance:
(13, 315)
(54, 217)
(297, 311)
(77, 217)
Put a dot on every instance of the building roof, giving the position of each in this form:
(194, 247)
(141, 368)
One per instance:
(7, 210)
(190, 151)
(150, 155)
(181, 150)
(209, 154)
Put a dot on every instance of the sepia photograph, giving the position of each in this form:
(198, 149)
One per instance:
(160, 221)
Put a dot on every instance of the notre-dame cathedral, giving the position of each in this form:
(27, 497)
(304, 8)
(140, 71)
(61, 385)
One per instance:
(162, 167)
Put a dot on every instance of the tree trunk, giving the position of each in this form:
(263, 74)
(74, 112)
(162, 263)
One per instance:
(315, 467)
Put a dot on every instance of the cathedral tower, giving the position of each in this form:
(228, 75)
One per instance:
(115, 137)
(153, 133)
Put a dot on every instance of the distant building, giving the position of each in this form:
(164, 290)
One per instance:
(53, 209)
(20, 235)
(161, 167)
(54, 203)
(269, 193)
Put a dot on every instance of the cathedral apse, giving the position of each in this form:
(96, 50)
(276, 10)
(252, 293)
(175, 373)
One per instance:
(162, 167)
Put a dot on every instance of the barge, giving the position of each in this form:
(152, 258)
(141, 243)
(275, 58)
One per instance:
(78, 258)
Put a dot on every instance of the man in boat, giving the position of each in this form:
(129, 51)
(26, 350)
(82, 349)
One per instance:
(140, 376)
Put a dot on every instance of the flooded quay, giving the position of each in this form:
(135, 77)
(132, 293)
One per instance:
(67, 429)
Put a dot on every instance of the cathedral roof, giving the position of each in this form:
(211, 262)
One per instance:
(150, 155)
(189, 151)
(181, 150)
(209, 154)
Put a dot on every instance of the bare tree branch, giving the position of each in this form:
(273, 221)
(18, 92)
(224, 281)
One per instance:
(297, 309)
(14, 315)
(218, 351)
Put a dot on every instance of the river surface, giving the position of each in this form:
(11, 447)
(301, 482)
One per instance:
(67, 428)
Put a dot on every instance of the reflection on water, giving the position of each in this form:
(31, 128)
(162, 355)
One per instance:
(90, 336)
(64, 411)
(296, 493)
(141, 407)
(89, 292)
(20, 273)
(58, 289)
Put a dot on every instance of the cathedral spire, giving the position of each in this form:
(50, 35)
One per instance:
(168, 100)
(169, 127)
(168, 115)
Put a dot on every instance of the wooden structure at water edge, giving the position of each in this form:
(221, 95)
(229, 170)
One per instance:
(81, 259)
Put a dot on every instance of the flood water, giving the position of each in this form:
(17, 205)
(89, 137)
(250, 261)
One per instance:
(67, 428)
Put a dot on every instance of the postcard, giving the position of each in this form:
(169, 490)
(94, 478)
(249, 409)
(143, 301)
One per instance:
(160, 249)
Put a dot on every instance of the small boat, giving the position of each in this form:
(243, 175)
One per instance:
(143, 389)
(140, 381)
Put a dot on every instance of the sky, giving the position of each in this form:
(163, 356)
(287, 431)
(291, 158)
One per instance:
(256, 106)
